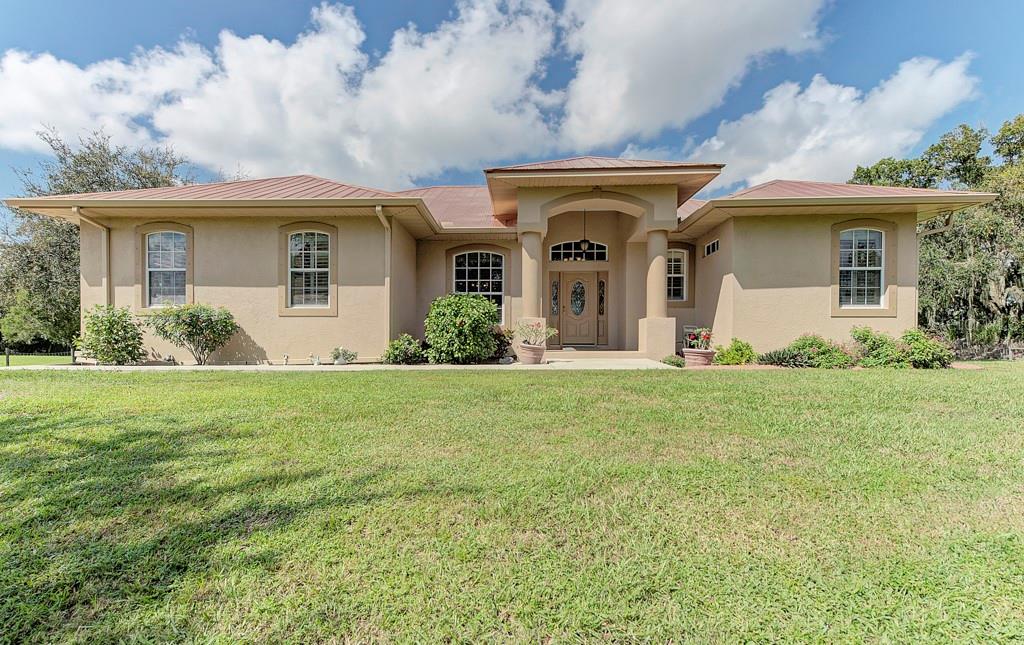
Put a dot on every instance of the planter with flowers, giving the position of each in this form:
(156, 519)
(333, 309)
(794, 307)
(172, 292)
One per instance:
(698, 348)
(533, 339)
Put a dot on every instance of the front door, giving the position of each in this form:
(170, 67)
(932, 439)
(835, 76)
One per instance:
(579, 308)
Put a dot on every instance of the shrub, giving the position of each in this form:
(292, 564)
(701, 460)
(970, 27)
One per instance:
(699, 338)
(405, 350)
(877, 349)
(925, 352)
(201, 329)
(502, 342)
(111, 335)
(674, 361)
(737, 353)
(535, 334)
(823, 353)
(785, 357)
(341, 352)
(460, 329)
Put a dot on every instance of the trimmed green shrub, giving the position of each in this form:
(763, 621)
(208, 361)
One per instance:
(823, 353)
(111, 335)
(199, 328)
(878, 349)
(460, 329)
(347, 354)
(738, 352)
(785, 357)
(405, 350)
(925, 352)
(674, 361)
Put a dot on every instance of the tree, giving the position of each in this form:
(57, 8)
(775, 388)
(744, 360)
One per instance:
(40, 257)
(971, 280)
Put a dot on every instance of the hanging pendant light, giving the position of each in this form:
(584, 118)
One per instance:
(584, 243)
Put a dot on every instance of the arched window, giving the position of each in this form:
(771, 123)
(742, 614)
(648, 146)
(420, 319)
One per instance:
(166, 261)
(676, 270)
(309, 269)
(861, 267)
(481, 273)
(573, 251)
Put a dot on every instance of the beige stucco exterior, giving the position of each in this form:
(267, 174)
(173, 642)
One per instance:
(773, 277)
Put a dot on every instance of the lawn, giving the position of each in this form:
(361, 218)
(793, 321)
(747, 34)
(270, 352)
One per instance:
(709, 506)
(35, 360)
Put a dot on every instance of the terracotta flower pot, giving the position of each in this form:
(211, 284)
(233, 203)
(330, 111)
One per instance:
(531, 354)
(698, 357)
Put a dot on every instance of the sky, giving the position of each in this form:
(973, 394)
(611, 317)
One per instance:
(401, 93)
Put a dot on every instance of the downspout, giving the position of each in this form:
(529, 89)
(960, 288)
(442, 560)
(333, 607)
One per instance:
(379, 209)
(108, 295)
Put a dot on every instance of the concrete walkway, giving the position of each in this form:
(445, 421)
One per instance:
(553, 364)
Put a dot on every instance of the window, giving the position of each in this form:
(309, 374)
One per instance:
(573, 252)
(481, 273)
(677, 274)
(166, 259)
(861, 262)
(309, 269)
(710, 248)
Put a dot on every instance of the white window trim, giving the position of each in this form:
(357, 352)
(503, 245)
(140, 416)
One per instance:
(881, 270)
(551, 251)
(504, 271)
(147, 270)
(686, 278)
(291, 270)
(708, 246)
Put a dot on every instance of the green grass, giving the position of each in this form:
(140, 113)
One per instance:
(35, 360)
(709, 506)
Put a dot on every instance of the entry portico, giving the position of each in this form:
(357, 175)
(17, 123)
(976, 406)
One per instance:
(631, 207)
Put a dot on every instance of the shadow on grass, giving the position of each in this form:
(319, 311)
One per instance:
(94, 529)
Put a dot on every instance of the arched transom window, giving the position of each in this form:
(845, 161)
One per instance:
(481, 273)
(861, 267)
(676, 270)
(309, 269)
(574, 251)
(166, 259)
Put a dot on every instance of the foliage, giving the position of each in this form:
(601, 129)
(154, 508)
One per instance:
(199, 328)
(405, 350)
(111, 335)
(699, 338)
(784, 357)
(21, 324)
(674, 361)
(502, 342)
(925, 352)
(341, 353)
(460, 329)
(972, 275)
(40, 256)
(823, 353)
(738, 352)
(877, 349)
(535, 334)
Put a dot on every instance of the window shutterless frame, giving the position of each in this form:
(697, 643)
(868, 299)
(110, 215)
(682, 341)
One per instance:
(311, 285)
(480, 273)
(166, 271)
(862, 268)
(309, 269)
(676, 270)
(883, 279)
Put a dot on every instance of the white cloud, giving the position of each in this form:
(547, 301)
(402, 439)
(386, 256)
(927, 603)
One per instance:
(823, 131)
(449, 98)
(661, 63)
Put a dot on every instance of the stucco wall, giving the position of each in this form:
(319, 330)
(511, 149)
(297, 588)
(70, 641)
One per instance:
(404, 311)
(236, 266)
(782, 267)
(716, 283)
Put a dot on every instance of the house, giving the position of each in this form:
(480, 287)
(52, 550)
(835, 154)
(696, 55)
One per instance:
(615, 253)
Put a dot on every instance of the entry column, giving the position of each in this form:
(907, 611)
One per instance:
(531, 243)
(657, 336)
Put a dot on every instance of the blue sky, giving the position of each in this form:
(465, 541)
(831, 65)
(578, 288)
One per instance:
(478, 85)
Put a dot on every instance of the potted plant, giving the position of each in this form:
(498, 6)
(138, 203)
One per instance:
(533, 338)
(698, 348)
(342, 356)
